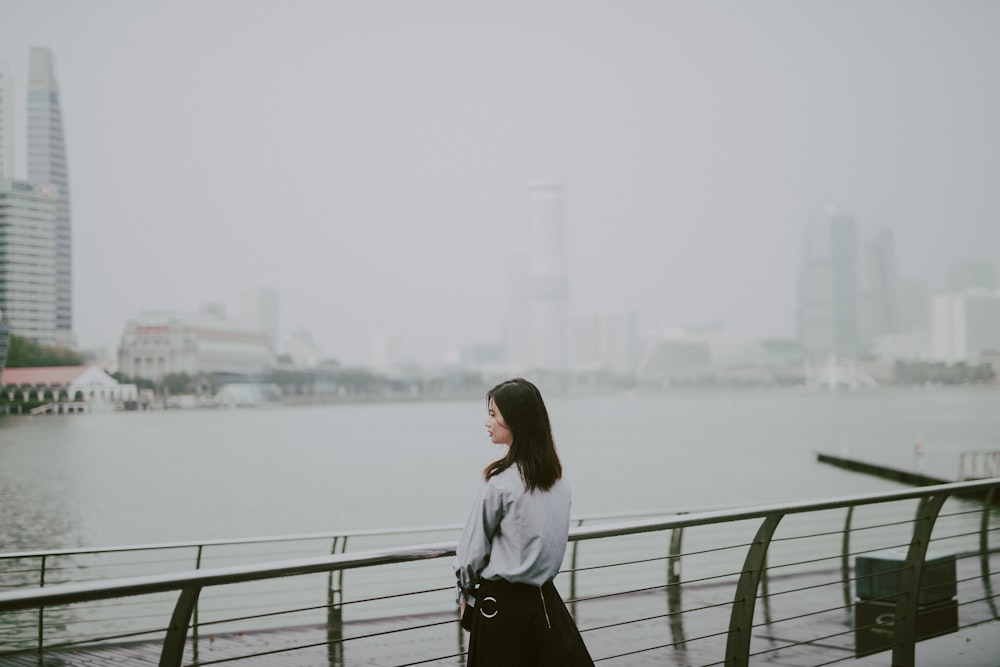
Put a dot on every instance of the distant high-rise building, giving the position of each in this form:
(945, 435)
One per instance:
(547, 279)
(848, 294)
(844, 285)
(47, 164)
(878, 289)
(914, 305)
(385, 351)
(607, 342)
(28, 259)
(970, 275)
(516, 337)
(966, 325)
(6, 123)
(259, 311)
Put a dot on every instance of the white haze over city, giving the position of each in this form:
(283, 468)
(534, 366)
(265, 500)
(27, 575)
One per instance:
(370, 159)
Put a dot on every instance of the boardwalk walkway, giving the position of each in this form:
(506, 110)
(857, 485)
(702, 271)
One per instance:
(437, 639)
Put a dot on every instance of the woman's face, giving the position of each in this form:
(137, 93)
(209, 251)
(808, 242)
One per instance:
(497, 427)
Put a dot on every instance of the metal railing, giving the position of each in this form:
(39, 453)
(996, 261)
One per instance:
(983, 464)
(60, 566)
(804, 549)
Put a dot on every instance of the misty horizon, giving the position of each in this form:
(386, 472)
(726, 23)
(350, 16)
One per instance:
(371, 161)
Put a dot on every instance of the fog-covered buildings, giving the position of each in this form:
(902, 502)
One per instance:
(47, 165)
(847, 288)
(28, 260)
(207, 342)
(35, 238)
(538, 324)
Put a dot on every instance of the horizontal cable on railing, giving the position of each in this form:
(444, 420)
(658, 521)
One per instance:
(16, 626)
(343, 640)
(437, 659)
(858, 529)
(794, 644)
(954, 536)
(107, 604)
(95, 638)
(605, 566)
(85, 621)
(104, 565)
(839, 556)
(233, 595)
(799, 616)
(689, 610)
(977, 601)
(658, 587)
(825, 584)
(663, 646)
(807, 536)
(849, 656)
(322, 606)
(283, 612)
(778, 566)
(971, 510)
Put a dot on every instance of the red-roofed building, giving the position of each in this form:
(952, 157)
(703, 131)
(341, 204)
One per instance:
(64, 383)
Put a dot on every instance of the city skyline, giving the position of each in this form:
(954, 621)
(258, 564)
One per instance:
(370, 164)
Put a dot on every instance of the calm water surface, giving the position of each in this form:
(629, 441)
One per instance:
(128, 478)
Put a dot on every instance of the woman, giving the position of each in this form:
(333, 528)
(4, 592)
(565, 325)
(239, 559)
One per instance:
(514, 542)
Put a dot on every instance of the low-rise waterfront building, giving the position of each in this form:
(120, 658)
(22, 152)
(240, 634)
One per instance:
(88, 383)
(158, 344)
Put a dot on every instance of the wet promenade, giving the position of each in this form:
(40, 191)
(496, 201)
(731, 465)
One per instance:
(696, 638)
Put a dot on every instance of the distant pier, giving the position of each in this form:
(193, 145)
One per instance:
(908, 476)
(903, 475)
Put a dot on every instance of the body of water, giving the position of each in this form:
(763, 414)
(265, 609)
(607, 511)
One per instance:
(143, 477)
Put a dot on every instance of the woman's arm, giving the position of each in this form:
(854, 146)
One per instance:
(473, 552)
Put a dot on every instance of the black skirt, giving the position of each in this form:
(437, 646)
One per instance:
(519, 625)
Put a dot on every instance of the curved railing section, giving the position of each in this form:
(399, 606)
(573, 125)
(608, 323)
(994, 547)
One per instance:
(835, 578)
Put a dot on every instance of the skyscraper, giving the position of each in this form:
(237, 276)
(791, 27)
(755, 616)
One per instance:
(6, 123)
(28, 259)
(547, 281)
(848, 293)
(259, 311)
(47, 164)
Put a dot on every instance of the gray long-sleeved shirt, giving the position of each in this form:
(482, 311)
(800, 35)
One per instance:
(513, 534)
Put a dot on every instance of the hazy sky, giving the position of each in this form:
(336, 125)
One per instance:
(369, 159)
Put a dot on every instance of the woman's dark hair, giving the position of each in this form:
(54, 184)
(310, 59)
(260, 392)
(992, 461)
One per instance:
(532, 449)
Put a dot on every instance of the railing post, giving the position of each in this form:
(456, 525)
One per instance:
(674, 586)
(572, 572)
(741, 617)
(173, 643)
(194, 625)
(845, 558)
(984, 550)
(905, 625)
(41, 611)
(335, 612)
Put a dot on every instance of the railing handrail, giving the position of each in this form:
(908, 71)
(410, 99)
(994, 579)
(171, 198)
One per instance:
(113, 588)
(792, 507)
(303, 537)
(381, 532)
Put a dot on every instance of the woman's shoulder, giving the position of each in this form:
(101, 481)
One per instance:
(507, 479)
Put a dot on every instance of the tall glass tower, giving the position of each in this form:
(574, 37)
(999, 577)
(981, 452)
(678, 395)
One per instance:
(548, 283)
(6, 123)
(47, 164)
